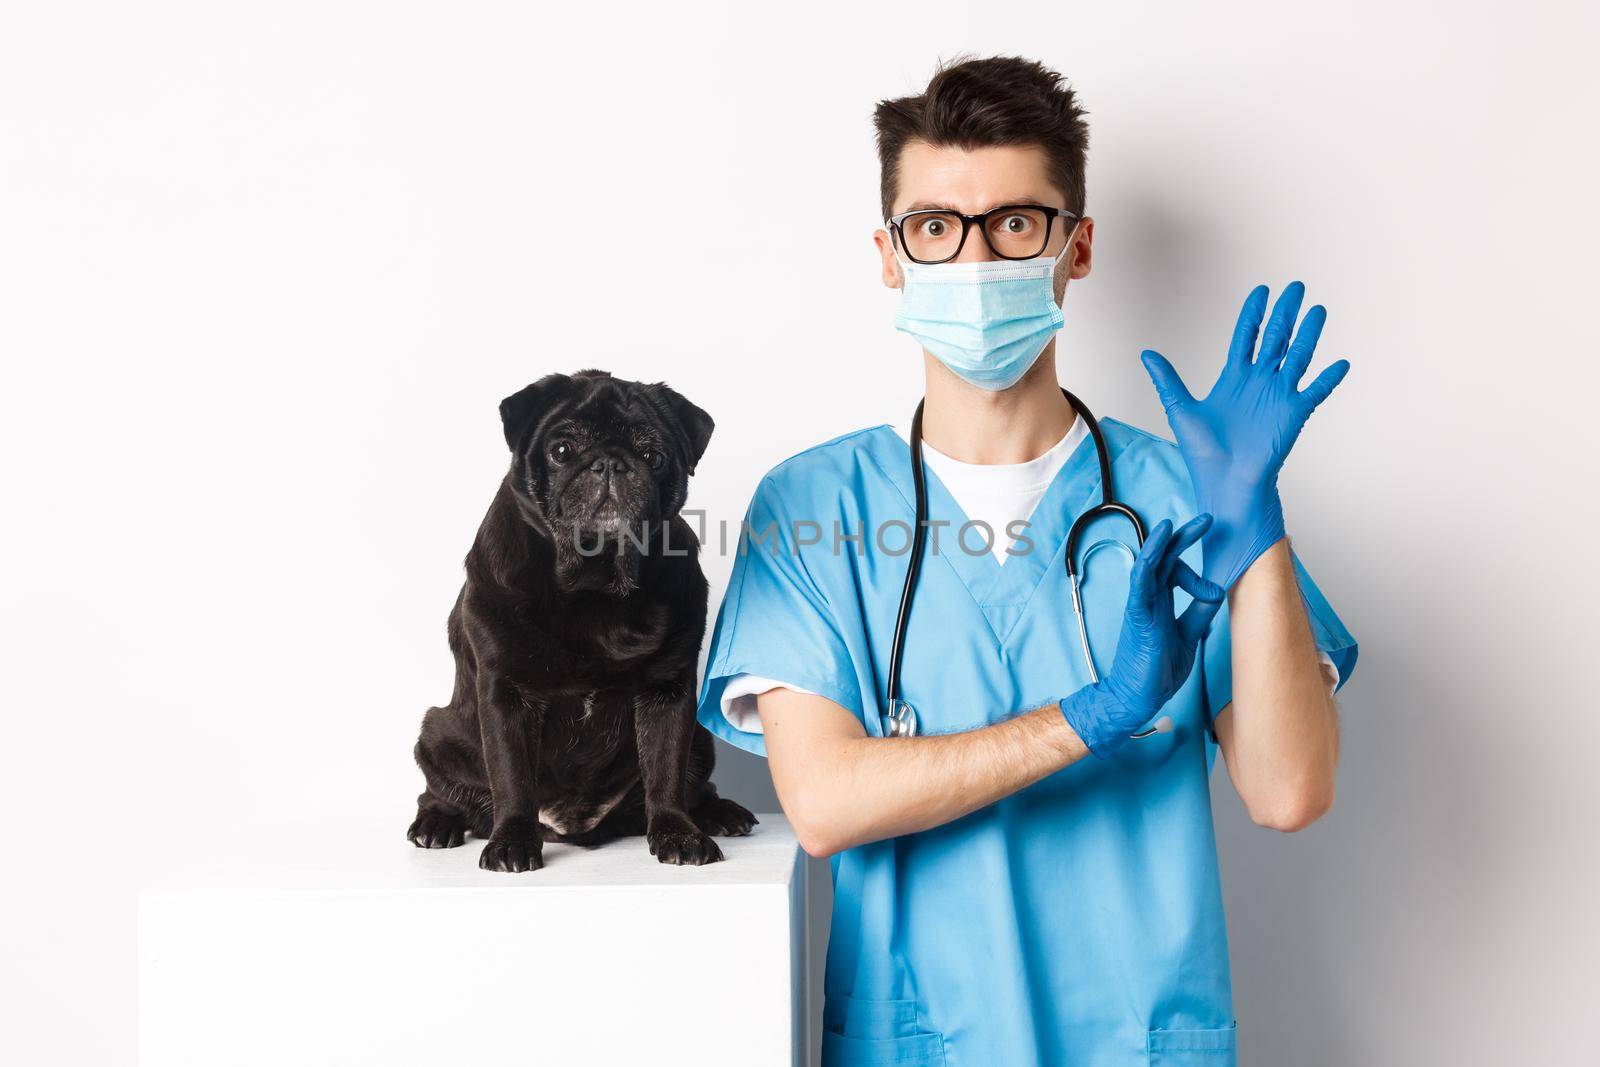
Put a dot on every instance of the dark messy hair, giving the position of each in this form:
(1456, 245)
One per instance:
(984, 103)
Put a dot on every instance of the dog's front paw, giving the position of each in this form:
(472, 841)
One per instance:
(723, 817)
(436, 829)
(683, 846)
(512, 855)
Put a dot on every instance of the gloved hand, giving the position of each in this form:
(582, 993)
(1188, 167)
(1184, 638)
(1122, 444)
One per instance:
(1234, 441)
(1155, 651)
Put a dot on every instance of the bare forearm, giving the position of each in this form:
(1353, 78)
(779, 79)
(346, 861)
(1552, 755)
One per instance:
(846, 791)
(1280, 736)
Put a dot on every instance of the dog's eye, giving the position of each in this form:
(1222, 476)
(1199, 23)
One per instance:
(561, 452)
(656, 459)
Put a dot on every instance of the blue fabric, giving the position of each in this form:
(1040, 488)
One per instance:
(1078, 920)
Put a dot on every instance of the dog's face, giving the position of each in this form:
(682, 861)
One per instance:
(596, 459)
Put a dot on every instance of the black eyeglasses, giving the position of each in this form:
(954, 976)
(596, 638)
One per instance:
(1012, 231)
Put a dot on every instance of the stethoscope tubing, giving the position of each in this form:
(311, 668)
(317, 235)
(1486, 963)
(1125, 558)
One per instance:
(902, 716)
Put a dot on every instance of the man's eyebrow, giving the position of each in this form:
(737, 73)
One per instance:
(931, 205)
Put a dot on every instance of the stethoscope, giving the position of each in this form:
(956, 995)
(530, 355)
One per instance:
(902, 717)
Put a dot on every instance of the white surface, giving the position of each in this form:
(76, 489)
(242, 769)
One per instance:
(350, 946)
(267, 270)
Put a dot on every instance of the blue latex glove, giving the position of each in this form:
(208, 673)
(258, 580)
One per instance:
(1155, 650)
(1234, 441)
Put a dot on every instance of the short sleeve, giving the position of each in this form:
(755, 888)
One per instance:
(776, 621)
(1327, 630)
(739, 699)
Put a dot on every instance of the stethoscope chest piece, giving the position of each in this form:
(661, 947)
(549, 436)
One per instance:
(902, 719)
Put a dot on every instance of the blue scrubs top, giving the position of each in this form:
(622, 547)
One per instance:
(1078, 921)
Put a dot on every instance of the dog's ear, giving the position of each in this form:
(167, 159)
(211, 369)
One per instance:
(520, 410)
(695, 424)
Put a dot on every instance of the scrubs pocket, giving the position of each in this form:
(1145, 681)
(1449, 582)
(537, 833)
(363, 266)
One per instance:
(1194, 1048)
(841, 1051)
(857, 1032)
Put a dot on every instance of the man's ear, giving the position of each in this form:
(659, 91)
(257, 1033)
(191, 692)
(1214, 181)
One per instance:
(695, 423)
(520, 410)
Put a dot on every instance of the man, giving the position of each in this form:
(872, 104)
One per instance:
(1035, 886)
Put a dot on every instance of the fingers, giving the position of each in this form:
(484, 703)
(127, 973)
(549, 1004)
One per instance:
(1280, 325)
(1188, 534)
(1141, 583)
(1244, 334)
(1158, 570)
(1324, 384)
(1196, 585)
(1155, 546)
(1196, 618)
(1305, 343)
(1169, 386)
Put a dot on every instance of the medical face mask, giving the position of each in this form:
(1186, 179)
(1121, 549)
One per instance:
(987, 322)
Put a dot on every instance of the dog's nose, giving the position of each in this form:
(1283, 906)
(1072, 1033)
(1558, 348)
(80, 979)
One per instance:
(614, 464)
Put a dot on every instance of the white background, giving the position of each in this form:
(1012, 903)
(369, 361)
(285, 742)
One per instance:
(265, 274)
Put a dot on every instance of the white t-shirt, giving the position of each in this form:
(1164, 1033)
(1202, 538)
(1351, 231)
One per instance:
(996, 494)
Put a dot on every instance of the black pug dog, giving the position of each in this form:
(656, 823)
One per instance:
(575, 638)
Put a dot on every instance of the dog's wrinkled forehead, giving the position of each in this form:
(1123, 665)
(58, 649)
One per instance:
(609, 411)
(596, 405)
